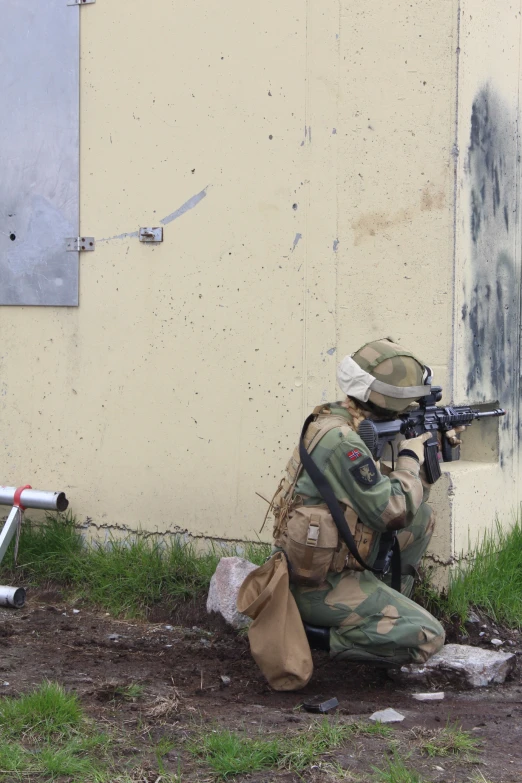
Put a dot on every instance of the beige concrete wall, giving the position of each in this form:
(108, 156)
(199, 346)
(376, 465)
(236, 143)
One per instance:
(487, 261)
(301, 158)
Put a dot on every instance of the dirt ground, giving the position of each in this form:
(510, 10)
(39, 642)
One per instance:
(184, 657)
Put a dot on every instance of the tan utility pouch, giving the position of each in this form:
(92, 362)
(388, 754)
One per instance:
(312, 545)
(277, 637)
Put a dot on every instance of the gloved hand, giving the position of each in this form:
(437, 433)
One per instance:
(452, 435)
(416, 445)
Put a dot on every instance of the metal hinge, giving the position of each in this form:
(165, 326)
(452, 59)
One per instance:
(151, 234)
(80, 243)
(80, 2)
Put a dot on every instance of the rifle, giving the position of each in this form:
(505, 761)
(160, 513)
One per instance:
(428, 417)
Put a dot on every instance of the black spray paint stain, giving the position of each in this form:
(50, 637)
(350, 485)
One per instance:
(489, 313)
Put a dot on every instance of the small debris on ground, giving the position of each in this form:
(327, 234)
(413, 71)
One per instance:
(435, 696)
(388, 715)
(320, 705)
(163, 706)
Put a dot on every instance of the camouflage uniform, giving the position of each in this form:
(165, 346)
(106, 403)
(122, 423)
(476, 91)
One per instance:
(368, 619)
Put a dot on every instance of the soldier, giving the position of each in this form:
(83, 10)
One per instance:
(354, 612)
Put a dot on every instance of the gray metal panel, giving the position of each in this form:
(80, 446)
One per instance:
(39, 152)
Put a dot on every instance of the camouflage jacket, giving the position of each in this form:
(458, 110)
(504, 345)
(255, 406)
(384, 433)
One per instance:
(381, 502)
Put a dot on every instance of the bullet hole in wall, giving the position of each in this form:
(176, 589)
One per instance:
(12, 237)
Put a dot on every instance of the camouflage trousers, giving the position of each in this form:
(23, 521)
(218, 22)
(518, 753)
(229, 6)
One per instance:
(370, 621)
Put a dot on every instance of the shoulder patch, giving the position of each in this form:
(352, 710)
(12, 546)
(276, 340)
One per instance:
(353, 454)
(365, 473)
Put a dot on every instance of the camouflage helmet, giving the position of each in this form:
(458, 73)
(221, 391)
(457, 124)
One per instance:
(383, 373)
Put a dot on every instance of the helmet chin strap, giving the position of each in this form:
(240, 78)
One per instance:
(373, 411)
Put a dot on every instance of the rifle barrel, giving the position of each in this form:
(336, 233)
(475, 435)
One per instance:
(489, 414)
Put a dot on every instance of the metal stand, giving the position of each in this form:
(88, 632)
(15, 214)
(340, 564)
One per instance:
(21, 498)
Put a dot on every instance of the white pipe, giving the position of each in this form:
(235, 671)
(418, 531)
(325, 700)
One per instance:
(35, 498)
(12, 596)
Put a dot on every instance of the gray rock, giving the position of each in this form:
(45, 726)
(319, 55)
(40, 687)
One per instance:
(230, 574)
(387, 716)
(460, 664)
(473, 618)
(497, 642)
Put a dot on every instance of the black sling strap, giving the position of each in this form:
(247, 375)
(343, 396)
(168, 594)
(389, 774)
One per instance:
(328, 495)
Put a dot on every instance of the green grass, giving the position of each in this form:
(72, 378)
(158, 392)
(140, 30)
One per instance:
(301, 751)
(492, 580)
(45, 712)
(163, 746)
(131, 692)
(478, 777)
(449, 741)
(358, 729)
(126, 576)
(396, 771)
(228, 753)
(45, 737)
(64, 762)
(13, 758)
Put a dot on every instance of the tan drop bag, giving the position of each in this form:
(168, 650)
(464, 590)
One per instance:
(277, 638)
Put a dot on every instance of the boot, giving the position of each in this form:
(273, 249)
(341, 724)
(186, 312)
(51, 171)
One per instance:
(318, 638)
